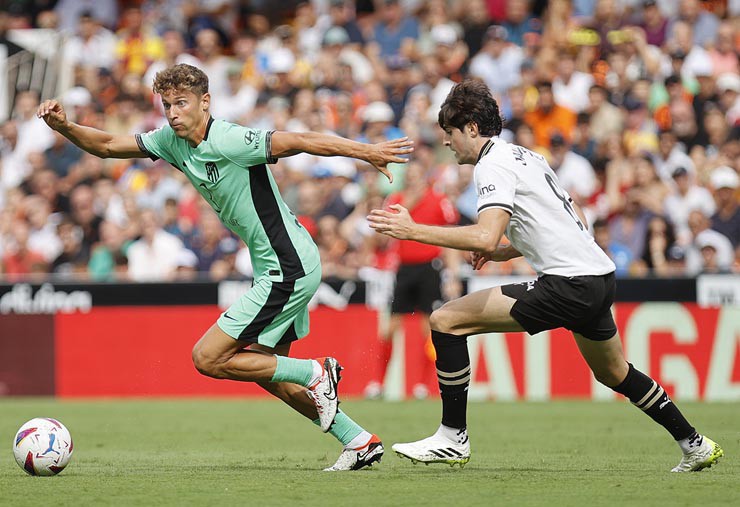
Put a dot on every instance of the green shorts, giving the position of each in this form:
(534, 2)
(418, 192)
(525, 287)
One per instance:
(271, 313)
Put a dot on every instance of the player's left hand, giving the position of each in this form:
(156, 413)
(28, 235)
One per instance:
(478, 259)
(382, 154)
(396, 224)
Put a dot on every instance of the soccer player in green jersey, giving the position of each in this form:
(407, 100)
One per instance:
(227, 164)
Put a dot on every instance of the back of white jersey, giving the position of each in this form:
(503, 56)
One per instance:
(544, 227)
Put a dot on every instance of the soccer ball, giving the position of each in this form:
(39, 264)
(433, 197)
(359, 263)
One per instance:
(43, 446)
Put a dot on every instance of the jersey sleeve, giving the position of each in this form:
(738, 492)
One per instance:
(245, 146)
(496, 186)
(156, 143)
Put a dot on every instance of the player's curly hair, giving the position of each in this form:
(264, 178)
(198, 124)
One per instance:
(181, 77)
(470, 101)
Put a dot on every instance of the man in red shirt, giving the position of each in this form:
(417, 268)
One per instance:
(418, 279)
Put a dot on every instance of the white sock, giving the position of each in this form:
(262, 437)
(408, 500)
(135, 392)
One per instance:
(359, 441)
(690, 444)
(318, 370)
(451, 434)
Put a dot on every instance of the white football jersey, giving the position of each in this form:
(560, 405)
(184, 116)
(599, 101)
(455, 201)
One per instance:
(544, 226)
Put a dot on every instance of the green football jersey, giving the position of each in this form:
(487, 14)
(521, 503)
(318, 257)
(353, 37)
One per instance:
(229, 169)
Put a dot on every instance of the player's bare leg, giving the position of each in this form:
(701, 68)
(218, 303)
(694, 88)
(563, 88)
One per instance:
(214, 356)
(607, 362)
(218, 355)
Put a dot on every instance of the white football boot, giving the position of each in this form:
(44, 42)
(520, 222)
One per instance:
(439, 448)
(704, 456)
(355, 459)
(324, 391)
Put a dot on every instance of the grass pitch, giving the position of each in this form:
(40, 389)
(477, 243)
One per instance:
(243, 452)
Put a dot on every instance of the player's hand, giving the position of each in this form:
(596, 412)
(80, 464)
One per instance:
(382, 154)
(396, 224)
(52, 112)
(478, 259)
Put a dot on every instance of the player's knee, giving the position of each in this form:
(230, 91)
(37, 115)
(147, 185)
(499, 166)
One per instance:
(205, 364)
(442, 320)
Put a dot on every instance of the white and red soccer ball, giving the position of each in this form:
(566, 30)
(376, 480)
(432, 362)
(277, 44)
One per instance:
(43, 446)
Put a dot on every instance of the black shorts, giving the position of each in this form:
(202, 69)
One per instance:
(417, 288)
(581, 304)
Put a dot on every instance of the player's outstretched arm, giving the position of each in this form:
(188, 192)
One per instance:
(97, 142)
(481, 237)
(285, 144)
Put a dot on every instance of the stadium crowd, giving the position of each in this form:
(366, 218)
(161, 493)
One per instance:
(635, 103)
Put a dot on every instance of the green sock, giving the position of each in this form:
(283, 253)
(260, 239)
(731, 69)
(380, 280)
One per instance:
(344, 429)
(296, 371)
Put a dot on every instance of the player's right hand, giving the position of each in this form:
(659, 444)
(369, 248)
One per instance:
(52, 112)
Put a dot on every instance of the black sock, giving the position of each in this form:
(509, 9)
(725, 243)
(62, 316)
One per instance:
(647, 395)
(453, 375)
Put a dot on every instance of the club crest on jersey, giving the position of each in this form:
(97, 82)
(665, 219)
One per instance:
(250, 136)
(212, 172)
(486, 189)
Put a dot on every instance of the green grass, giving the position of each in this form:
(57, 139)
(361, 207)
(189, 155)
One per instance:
(239, 452)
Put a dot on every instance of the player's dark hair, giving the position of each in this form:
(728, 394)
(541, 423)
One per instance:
(471, 102)
(181, 77)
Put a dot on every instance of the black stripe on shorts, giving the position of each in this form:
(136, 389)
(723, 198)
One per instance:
(279, 295)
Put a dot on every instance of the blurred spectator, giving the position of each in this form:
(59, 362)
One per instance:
(498, 63)
(62, 155)
(549, 117)
(92, 46)
(583, 144)
(70, 12)
(210, 58)
(137, 46)
(704, 22)
(726, 220)
(42, 234)
(653, 23)
(394, 33)
(688, 196)
(33, 134)
(570, 86)
(174, 52)
(160, 186)
(606, 118)
(659, 243)
(630, 227)
(186, 269)
(342, 14)
(640, 130)
(71, 263)
(670, 157)
(575, 173)
(112, 244)
(475, 22)
(519, 21)
(85, 217)
(709, 250)
(728, 87)
(207, 243)
(723, 54)
(617, 252)
(19, 260)
(153, 256)
(419, 281)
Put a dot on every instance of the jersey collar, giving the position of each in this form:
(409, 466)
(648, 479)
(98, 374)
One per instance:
(208, 128)
(485, 149)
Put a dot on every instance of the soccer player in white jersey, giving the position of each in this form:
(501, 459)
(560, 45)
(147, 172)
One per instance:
(227, 164)
(519, 194)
